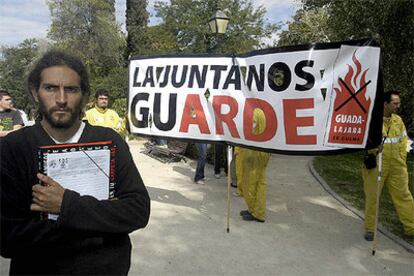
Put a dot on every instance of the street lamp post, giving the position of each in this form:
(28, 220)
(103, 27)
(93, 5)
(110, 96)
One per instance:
(218, 22)
(218, 26)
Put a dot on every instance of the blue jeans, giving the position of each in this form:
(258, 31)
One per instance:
(201, 161)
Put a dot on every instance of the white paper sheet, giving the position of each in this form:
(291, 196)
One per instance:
(86, 172)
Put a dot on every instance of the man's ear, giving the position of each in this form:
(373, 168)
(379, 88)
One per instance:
(34, 95)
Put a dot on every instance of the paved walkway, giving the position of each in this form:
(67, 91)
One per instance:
(307, 232)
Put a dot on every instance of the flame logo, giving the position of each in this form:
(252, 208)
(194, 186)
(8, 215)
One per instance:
(350, 115)
(347, 93)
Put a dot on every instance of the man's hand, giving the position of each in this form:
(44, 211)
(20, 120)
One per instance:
(47, 197)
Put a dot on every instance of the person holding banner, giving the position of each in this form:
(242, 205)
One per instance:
(253, 181)
(201, 163)
(238, 160)
(219, 148)
(89, 235)
(394, 170)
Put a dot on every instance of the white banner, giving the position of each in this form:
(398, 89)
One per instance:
(319, 98)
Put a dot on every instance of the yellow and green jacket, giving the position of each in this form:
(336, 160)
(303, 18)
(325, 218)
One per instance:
(103, 117)
(394, 140)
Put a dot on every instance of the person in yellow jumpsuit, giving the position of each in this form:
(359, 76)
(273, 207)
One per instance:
(394, 171)
(238, 153)
(253, 174)
(100, 114)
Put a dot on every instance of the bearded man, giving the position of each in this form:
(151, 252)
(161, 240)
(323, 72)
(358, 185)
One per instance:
(90, 236)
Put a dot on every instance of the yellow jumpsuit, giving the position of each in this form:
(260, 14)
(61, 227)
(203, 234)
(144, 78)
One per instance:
(103, 117)
(239, 169)
(253, 172)
(394, 176)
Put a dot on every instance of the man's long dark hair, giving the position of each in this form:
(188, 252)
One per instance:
(58, 58)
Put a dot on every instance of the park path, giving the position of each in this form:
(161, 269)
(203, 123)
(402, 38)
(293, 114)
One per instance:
(307, 232)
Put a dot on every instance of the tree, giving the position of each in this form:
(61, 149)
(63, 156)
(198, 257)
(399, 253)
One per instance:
(116, 82)
(160, 41)
(307, 26)
(15, 63)
(88, 29)
(391, 23)
(187, 22)
(136, 26)
(111, 8)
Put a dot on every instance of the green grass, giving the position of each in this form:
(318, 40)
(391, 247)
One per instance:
(343, 174)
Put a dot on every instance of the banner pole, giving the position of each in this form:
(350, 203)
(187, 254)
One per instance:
(375, 241)
(229, 157)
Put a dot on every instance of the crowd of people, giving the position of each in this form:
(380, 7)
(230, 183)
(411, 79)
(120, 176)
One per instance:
(90, 236)
(250, 171)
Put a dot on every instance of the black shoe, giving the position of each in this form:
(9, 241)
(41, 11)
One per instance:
(244, 213)
(369, 236)
(250, 217)
(233, 185)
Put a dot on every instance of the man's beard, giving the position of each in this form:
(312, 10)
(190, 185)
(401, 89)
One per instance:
(57, 121)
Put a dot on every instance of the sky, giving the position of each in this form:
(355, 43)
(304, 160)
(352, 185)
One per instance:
(21, 19)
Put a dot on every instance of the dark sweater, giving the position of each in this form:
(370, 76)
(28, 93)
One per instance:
(90, 235)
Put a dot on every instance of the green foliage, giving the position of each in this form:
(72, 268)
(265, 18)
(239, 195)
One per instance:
(120, 106)
(88, 28)
(15, 63)
(410, 166)
(136, 26)
(110, 6)
(391, 23)
(160, 41)
(306, 27)
(187, 22)
(116, 82)
(343, 174)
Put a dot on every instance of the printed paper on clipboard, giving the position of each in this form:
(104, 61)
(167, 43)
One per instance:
(87, 168)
